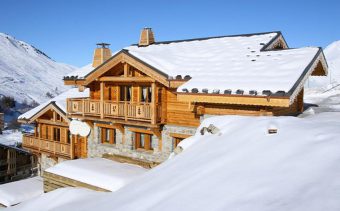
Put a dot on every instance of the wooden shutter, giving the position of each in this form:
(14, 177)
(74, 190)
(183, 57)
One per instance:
(135, 94)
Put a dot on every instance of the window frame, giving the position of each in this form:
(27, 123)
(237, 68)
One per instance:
(108, 133)
(147, 139)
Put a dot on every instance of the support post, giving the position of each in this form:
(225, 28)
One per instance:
(153, 104)
(101, 100)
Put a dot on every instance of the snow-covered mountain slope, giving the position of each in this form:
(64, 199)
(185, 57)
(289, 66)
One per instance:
(332, 53)
(28, 73)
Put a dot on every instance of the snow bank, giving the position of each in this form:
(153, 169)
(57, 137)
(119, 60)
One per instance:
(242, 168)
(19, 191)
(60, 199)
(99, 172)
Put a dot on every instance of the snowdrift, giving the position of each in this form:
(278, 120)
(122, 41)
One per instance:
(241, 168)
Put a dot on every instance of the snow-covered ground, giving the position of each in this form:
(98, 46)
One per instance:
(28, 73)
(16, 192)
(240, 168)
(10, 137)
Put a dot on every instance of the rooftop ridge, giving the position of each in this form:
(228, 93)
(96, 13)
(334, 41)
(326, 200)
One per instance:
(213, 37)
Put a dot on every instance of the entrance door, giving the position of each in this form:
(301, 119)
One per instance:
(80, 146)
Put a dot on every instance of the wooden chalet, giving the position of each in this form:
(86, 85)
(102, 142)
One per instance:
(51, 140)
(146, 98)
(15, 164)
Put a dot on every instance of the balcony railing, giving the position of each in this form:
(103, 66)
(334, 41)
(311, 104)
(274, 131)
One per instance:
(53, 147)
(110, 109)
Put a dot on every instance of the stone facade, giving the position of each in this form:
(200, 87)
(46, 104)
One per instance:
(125, 144)
(47, 162)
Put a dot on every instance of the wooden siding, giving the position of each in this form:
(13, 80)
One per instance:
(179, 113)
(54, 181)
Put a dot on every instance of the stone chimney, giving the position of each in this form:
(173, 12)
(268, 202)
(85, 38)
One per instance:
(101, 54)
(146, 37)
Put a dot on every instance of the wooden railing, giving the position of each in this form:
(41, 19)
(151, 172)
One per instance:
(29, 141)
(140, 111)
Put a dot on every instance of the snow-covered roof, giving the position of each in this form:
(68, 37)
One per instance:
(99, 172)
(16, 192)
(244, 63)
(81, 72)
(59, 101)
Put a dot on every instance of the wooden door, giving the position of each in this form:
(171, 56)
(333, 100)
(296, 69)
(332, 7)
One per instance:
(80, 146)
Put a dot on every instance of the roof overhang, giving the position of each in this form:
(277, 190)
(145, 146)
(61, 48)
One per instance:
(51, 106)
(122, 56)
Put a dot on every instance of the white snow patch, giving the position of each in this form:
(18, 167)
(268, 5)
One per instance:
(16, 192)
(99, 172)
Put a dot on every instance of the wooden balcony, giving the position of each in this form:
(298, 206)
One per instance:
(146, 112)
(33, 143)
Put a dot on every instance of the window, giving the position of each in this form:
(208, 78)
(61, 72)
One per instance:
(58, 117)
(108, 136)
(56, 134)
(176, 141)
(143, 141)
(146, 94)
(125, 93)
(177, 138)
(68, 137)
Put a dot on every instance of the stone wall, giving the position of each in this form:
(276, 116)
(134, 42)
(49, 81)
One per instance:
(125, 145)
(47, 162)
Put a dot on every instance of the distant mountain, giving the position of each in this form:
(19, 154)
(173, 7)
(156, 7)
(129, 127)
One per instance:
(27, 73)
(332, 53)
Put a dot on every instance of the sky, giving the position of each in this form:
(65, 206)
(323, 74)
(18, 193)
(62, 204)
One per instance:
(67, 30)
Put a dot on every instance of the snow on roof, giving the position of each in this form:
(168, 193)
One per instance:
(99, 172)
(81, 72)
(59, 100)
(235, 63)
(16, 192)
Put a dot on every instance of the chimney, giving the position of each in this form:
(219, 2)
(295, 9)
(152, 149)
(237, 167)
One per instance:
(146, 37)
(101, 54)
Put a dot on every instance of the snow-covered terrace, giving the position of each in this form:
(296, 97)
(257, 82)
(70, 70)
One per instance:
(98, 172)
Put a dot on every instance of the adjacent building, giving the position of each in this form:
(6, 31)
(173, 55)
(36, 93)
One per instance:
(51, 140)
(15, 164)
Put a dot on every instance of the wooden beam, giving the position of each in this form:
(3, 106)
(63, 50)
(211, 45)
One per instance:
(101, 99)
(119, 127)
(179, 135)
(126, 69)
(153, 104)
(138, 130)
(126, 79)
(234, 99)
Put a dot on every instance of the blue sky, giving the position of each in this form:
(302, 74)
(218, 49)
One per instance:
(67, 30)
